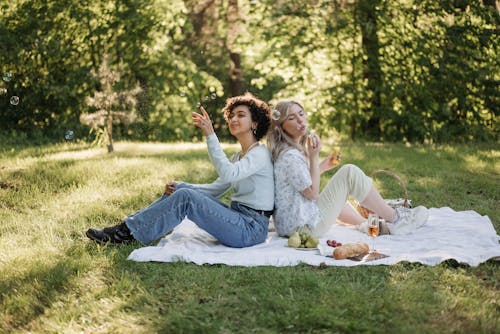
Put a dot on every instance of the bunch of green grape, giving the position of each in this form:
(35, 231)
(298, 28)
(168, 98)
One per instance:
(302, 240)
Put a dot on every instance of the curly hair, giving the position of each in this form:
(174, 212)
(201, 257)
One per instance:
(260, 111)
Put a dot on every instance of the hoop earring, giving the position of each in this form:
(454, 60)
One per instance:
(254, 132)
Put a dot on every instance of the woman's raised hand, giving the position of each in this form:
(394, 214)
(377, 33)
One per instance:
(203, 122)
(313, 145)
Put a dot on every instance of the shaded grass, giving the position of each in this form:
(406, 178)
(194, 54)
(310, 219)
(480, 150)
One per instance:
(54, 280)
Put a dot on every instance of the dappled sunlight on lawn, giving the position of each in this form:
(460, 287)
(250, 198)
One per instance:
(475, 163)
(463, 297)
(132, 148)
(155, 148)
(428, 182)
(455, 297)
(121, 318)
(56, 280)
(76, 155)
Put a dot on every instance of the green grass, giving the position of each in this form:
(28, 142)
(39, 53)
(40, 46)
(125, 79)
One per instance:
(53, 280)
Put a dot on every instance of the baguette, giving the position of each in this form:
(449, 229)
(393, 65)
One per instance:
(350, 250)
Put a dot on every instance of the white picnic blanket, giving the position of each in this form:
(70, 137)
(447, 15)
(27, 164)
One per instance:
(464, 236)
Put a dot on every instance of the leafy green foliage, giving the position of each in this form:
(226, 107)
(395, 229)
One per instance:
(404, 70)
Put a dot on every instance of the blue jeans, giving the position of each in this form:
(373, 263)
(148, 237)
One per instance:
(237, 226)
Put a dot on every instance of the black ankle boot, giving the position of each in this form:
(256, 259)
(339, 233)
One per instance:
(118, 234)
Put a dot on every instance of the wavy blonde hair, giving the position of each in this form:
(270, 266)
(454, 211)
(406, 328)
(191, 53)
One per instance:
(278, 141)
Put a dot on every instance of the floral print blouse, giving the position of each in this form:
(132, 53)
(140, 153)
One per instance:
(292, 209)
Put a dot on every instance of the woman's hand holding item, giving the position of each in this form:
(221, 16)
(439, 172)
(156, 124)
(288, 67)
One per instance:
(313, 148)
(313, 145)
(331, 161)
(203, 122)
(170, 187)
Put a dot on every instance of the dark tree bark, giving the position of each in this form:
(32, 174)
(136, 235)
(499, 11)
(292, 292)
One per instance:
(367, 19)
(233, 30)
(491, 3)
(235, 75)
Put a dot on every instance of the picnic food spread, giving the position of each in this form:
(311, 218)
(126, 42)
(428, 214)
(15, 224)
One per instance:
(356, 251)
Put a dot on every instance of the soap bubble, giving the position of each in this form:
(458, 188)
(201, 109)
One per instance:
(182, 94)
(3, 91)
(69, 135)
(198, 105)
(206, 98)
(213, 96)
(14, 100)
(7, 76)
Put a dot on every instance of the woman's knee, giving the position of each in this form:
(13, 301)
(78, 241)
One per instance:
(351, 170)
(184, 194)
(353, 176)
(183, 185)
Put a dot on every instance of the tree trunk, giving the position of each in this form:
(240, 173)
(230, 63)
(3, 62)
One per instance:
(203, 15)
(354, 82)
(109, 129)
(367, 19)
(233, 30)
(491, 3)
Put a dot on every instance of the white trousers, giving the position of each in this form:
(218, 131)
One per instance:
(349, 180)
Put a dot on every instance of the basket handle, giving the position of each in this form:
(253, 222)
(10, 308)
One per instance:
(394, 175)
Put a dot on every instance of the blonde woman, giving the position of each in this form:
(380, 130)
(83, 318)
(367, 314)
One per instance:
(299, 204)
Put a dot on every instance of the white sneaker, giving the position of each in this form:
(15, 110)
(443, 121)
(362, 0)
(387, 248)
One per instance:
(363, 227)
(384, 228)
(408, 220)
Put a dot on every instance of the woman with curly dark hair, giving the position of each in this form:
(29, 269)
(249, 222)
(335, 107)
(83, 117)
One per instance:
(248, 172)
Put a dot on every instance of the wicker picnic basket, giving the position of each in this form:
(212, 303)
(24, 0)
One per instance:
(394, 203)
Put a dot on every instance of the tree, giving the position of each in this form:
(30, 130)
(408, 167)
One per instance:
(402, 70)
(113, 107)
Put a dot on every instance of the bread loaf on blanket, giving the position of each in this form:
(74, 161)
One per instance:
(350, 250)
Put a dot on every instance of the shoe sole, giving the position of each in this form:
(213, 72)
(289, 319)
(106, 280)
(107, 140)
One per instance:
(94, 238)
(108, 242)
